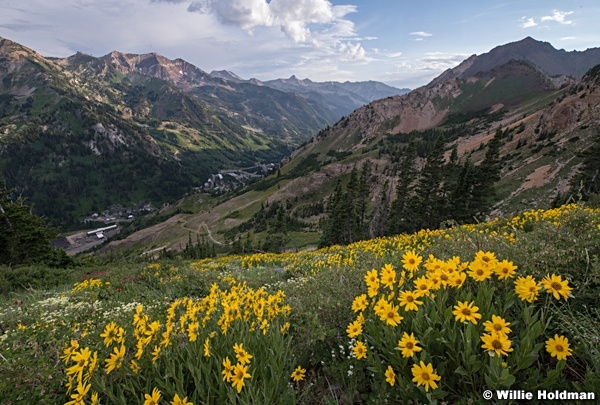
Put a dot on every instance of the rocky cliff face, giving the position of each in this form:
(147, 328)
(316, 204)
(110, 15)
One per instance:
(181, 73)
(580, 106)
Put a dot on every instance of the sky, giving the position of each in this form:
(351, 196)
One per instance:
(403, 43)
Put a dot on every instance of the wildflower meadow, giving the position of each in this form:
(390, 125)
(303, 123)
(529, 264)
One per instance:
(432, 317)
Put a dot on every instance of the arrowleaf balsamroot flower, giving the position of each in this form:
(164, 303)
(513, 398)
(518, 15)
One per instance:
(390, 315)
(408, 299)
(496, 342)
(79, 395)
(487, 259)
(359, 350)
(390, 376)
(466, 311)
(69, 350)
(388, 276)
(241, 355)
(424, 375)
(505, 269)
(556, 286)
(112, 333)
(177, 400)
(240, 373)
(152, 399)
(298, 373)
(497, 325)
(411, 261)
(207, 347)
(422, 286)
(371, 278)
(457, 279)
(227, 370)
(558, 347)
(527, 288)
(81, 359)
(372, 281)
(479, 272)
(116, 359)
(354, 329)
(360, 303)
(408, 345)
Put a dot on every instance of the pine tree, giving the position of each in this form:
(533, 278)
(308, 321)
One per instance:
(349, 213)
(460, 200)
(346, 210)
(331, 231)
(379, 224)
(362, 201)
(429, 199)
(483, 192)
(404, 190)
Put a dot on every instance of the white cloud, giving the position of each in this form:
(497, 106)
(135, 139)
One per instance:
(293, 17)
(439, 61)
(386, 53)
(568, 38)
(559, 17)
(420, 35)
(352, 51)
(528, 22)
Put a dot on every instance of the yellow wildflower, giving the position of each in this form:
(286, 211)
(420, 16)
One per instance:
(298, 374)
(466, 311)
(424, 375)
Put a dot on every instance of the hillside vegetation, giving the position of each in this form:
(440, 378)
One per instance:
(509, 303)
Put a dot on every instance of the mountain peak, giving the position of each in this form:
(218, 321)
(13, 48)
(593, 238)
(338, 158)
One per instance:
(542, 55)
(226, 75)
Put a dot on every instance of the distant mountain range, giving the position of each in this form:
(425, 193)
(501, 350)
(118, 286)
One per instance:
(545, 102)
(80, 133)
(341, 98)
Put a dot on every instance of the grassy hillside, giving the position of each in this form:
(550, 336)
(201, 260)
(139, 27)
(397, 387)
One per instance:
(307, 315)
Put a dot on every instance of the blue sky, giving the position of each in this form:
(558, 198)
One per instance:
(401, 43)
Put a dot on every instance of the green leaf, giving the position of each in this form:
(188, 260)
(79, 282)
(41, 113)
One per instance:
(506, 378)
(460, 370)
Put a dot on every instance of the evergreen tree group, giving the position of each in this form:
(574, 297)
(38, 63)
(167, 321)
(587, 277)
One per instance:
(346, 211)
(443, 191)
(425, 197)
(25, 238)
(199, 250)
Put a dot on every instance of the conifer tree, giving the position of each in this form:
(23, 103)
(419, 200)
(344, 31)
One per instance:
(404, 190)
(379, 224)
(488, 173)
(460, 199)
(349, 212)
(277, 230)
(362, 201)
(346, 210)
(429, 199)
(332, 233)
